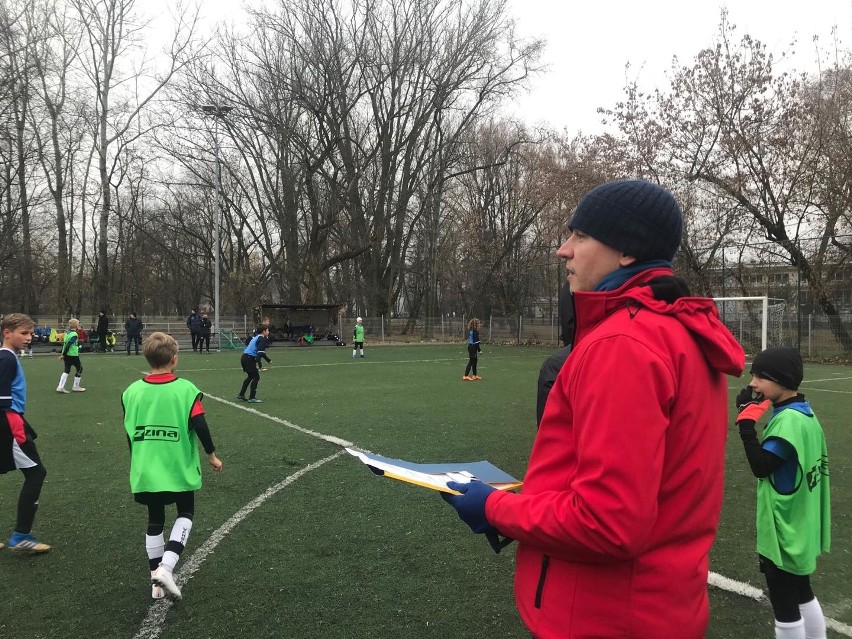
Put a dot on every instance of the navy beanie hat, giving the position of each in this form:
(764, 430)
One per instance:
(639, 218)
(780, 364)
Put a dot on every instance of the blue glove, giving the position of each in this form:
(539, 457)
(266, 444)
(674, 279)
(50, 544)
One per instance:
(471, 503)
(470, 506)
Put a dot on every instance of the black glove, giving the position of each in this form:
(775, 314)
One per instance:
(750, 408)
(746, 396)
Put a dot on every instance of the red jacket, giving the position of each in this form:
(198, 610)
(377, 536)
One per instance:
(623, 491)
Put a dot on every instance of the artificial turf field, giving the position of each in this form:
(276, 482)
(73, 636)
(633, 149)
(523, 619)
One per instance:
(296, 539)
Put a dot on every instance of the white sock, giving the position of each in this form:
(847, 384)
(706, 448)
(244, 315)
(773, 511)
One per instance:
(62, 380)
(790, 629)
(180, 533)
(155, 546)
(814, 619)
(77, 381)
(170, 560)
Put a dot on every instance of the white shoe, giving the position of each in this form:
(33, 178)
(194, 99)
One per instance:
(156, 591)
(78, 389)
(61, 390)
(163, 577)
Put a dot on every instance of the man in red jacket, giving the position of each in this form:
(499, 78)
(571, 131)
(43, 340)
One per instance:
(623, 491)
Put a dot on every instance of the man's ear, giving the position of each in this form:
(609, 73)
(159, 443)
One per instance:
(626, 260)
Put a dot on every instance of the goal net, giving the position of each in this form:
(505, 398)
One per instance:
(756, 322)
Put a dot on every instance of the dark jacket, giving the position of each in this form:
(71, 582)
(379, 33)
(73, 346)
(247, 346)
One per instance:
(193, 322)
(206, 326)
(103, 324)
(133, 327)
(553, 364)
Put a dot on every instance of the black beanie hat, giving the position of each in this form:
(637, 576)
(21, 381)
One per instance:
(780, 364)
(639, 218)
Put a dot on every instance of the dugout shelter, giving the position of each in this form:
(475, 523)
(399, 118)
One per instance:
(294, 322)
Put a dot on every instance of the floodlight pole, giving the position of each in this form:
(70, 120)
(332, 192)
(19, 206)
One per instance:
(217, 111)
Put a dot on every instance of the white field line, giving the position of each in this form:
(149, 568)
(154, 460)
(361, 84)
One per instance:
(328, 438)
(152, 625)
(736, 587)
(745, 590)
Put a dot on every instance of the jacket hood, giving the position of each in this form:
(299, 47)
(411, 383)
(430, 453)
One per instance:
(698, 315)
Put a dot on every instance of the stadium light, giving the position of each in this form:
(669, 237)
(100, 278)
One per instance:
(217, 111)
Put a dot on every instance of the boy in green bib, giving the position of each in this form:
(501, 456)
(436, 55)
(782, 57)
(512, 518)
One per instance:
(358, 337)
(793, 507)
(164, 420)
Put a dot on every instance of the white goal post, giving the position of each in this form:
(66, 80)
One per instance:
(743, 315)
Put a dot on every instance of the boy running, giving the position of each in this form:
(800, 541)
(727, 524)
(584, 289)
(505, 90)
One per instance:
(164, 420)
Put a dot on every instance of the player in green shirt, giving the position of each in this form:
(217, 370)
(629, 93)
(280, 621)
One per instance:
(70, 356)
(793, 505)
(358, 337)
(164, 420)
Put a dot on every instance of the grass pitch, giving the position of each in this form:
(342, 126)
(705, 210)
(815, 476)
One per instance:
(294, 539)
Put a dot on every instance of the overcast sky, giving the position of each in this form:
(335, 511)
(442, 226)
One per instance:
(590, 42)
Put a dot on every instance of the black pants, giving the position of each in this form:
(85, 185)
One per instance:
(249, 365)
(205, 339)
(30, 491)
(786, 590)
(473, 354)
(196, 339)
(133, 339)
(73, 360)
(157, 502)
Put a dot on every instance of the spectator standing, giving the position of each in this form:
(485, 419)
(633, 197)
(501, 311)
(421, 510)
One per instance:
(102, 329)
(206, 329)
(793, 503)
(165, 470)
(17, 438)
(623, 490)
(133, 332)
(193, 323)
(358, 337)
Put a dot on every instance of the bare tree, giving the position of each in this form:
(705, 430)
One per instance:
(752, 139)
(19, 33)
(112, 32)
(63, 128)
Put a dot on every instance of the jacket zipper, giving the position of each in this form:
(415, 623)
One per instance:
(545, 560)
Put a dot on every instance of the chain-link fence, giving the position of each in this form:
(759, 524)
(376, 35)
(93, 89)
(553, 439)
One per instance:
(811, 333)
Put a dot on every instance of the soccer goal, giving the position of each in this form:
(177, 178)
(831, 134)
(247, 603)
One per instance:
(230, 341)
(756, 322)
